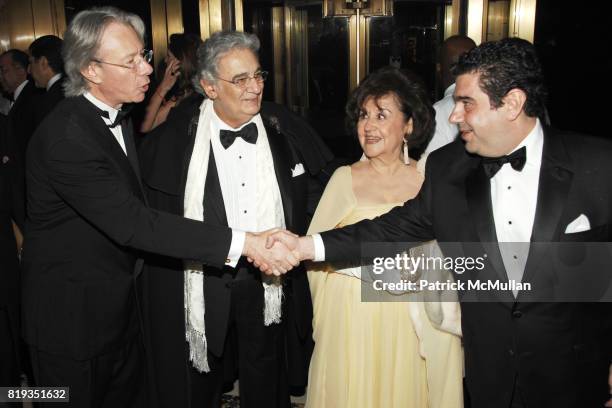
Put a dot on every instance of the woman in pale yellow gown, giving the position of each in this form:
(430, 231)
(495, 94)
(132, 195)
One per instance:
(379, 354)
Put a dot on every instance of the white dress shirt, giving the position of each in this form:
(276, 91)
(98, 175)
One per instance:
(53, 80)
(18, 92)
(236, 167)
(237, 175)
(112, 114)
(446, 131)
(514, 196)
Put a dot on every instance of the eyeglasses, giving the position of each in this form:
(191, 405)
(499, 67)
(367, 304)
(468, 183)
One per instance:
(243, 80)
(145, 56)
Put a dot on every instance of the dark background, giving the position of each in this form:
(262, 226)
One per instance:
(572, 39)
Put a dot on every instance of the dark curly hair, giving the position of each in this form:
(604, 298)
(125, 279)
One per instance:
(504, 65)
(409, 92)
(185, 47)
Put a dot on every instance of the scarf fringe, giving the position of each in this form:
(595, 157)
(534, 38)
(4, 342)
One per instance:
(273, 301)
(197, 350)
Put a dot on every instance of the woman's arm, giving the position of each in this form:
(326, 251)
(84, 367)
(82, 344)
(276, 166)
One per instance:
(18, 238)
(151, 120)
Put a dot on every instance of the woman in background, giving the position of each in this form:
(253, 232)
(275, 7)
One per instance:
(379, 354)
(176, 84)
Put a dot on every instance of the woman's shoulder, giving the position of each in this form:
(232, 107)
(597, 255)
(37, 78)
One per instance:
(340, 184)
(342, 173)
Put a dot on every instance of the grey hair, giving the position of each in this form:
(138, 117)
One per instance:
(82, 41)
(217, 45)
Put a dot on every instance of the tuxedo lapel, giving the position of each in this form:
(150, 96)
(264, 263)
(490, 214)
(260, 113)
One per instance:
(282, 156)
(478, 194)
(214, 206)
(555, 181)
(130, 147)
(26, 93)
(106, 140)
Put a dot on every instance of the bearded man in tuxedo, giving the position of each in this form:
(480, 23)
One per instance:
(231, 160)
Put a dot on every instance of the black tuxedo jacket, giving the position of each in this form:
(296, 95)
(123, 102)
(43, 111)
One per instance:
(22, 116)
(165, 155)
(86, 219)
(49, 100)
(11, 210)
(558, 351)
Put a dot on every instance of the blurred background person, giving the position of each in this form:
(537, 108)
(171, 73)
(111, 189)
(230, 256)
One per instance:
(452, 48)
(47, 70)
(14, 80)
(176, 85)
(368, 354)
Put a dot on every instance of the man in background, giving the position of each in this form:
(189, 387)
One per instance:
(46, 68)
(452, 48)
(14, 80)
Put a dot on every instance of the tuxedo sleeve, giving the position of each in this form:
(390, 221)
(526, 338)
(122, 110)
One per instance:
(84, 178)
(407, 223)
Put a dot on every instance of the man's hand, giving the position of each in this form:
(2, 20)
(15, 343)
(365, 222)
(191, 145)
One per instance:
(276, 259)
(302, 247)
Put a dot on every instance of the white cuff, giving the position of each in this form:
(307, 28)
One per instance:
(319, 248)
(235, 251)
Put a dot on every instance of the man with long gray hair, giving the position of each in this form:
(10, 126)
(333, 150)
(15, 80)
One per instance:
(231, 161)
(88, 221)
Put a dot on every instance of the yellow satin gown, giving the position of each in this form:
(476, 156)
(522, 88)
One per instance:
(367, 353)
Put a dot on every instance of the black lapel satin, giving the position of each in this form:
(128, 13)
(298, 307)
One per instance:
(105, 138)
(555, 181)
(478, 194)
(282, 156)
(214, 207)
(25, 94)
(191, 133)
(130, 147)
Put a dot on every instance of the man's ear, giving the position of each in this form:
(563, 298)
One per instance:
(44, 62)
(89, 73)
(209, 89)
(514, 103)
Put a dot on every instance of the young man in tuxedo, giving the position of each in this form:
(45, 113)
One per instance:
(509, 179)
(88, 222)
(47, 67)
(234, 161)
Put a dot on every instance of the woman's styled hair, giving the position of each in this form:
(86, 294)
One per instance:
(410, 94)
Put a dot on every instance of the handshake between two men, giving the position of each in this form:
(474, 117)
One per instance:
(277, 251)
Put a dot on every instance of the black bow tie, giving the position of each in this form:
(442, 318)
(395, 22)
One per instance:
(248, 133)
(122, 114)
(493, 164)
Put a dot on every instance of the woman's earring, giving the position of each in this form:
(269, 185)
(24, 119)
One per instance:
(406, 157)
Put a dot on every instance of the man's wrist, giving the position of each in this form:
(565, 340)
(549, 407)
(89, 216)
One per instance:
(306, 248)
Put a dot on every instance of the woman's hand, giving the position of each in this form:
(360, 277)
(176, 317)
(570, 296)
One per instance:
(173, 70)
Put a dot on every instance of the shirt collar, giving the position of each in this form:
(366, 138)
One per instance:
(449, 90)
(112, 112)
(53, 80)
(19, 89)
(533, 143)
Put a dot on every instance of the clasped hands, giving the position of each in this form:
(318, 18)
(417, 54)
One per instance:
(277, 251)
